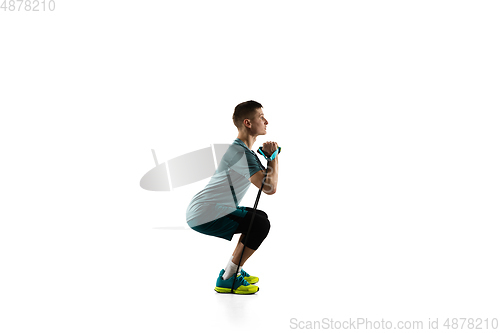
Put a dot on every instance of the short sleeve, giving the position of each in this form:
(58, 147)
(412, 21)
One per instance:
(241, 160)
(254, 164)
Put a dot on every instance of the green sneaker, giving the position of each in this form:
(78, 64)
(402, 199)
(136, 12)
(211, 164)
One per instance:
(249, 278)
(241, 286)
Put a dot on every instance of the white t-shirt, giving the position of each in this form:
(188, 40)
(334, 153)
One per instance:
(217, 200)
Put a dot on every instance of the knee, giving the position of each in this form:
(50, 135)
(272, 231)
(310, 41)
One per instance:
(262, 213)
(265, 227)
(259, 232)
(261, 228)
(258, 212)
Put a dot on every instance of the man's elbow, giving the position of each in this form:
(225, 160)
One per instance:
(271, 191)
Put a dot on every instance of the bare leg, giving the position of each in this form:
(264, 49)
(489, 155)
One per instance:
(238, 250)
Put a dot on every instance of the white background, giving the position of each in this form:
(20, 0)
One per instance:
(388, 196)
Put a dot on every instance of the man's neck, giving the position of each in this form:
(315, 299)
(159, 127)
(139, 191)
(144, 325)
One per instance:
(248, 140)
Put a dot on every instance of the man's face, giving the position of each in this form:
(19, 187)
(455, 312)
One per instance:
(259, 123)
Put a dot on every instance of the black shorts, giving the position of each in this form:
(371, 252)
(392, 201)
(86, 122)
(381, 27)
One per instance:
(238, 222)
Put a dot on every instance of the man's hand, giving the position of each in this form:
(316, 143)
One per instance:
(271, 173)
(269, 147)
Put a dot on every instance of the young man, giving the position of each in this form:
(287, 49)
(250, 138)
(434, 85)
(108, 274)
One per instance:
(214, 211)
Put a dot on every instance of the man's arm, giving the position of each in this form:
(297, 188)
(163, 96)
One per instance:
(271, 183)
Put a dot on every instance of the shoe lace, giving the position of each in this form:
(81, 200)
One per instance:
(242, 281)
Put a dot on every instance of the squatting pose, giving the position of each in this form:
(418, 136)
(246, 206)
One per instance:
(214, 210)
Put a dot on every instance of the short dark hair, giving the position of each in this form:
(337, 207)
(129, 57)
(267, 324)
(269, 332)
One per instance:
(245, 110)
